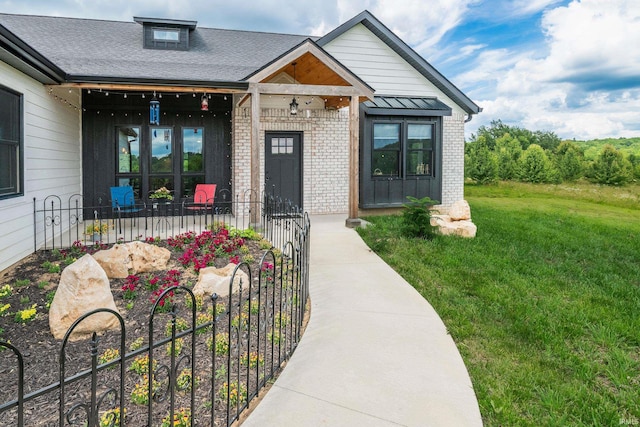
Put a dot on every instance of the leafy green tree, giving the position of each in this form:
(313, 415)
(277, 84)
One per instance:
(482, 165)
(635, 163)
(610, 167)
(569, 160)
(535, 166)
(508, 152)
(547, 140)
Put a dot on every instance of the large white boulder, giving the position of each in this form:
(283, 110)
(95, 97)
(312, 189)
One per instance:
(448, 227)
(216, 280)
(84, 286)
(460, 211)
(132, 258)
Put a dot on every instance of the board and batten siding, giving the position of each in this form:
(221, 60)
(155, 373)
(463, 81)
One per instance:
(364, 54)
(52, 160)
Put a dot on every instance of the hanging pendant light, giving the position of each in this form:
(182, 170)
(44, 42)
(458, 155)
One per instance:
(154, 111)
(204, 103)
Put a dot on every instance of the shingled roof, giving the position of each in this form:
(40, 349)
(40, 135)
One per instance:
(96, 50)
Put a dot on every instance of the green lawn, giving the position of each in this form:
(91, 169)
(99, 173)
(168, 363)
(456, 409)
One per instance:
(544, 304)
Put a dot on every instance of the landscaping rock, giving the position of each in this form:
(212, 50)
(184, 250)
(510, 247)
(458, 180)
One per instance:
(84, 286)
(115, 261)
(447, 227)
(132, 258)
(460, 211)
(216, 280)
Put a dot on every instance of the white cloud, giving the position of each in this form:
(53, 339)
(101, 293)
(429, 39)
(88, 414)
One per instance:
(587, 86)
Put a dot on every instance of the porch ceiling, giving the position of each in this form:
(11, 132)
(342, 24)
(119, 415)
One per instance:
(316, 73)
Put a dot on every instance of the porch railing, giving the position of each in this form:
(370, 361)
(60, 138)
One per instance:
(229, 358)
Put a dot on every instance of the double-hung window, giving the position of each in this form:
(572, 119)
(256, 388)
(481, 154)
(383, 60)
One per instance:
(10, 143)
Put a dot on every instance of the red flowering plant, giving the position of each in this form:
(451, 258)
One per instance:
(266, 272)
(170, 279)
(201, 250)
(129, 290)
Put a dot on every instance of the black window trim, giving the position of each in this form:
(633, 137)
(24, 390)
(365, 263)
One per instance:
(404, 123)
(20, 179)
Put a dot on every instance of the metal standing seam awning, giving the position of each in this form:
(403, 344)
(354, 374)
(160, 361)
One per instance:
(406, 106)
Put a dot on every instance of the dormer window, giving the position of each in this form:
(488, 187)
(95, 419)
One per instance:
(167, 34)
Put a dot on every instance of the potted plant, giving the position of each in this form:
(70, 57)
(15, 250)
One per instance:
(96, 229)
(162, 193)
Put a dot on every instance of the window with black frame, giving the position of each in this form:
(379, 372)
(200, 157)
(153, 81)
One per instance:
(386, 150)
(419, 149)
(10, 143)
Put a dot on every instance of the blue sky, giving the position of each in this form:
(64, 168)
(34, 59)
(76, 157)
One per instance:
(567, 66)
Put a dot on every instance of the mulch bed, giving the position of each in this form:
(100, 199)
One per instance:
(34, 284)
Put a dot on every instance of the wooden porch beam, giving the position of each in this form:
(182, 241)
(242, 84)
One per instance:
(255, 154)
(313, 90)
(354, 148)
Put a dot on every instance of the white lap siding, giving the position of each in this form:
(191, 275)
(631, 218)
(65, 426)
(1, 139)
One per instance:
(52, 159)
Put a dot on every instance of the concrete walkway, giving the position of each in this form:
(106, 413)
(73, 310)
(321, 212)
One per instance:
(375, 353)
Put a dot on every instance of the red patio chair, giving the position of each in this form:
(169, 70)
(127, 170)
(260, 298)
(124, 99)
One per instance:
(202, 203)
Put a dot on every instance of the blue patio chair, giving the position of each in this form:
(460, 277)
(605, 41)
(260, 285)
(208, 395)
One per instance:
(123, 203)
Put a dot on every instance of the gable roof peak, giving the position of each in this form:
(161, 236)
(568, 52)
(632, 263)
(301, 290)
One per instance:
(407, 53)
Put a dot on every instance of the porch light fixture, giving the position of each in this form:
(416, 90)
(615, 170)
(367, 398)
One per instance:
(204, 103)
(154, 111)
(293, 107)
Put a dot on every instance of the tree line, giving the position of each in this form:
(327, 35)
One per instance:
(502, 152)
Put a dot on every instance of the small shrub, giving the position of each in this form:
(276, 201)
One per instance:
(241, 321)
(108, 355)
(181, 418)
(264, 244)
(49, 299)
(179, 343)
(220, 309)
(181, 325)
(26, 315)
(140, 393)
(253, 307)
(189, 302)
(201, 319)
(6, 291)
(183, 380)
(136, 344)
(274, 337)
(221, 344)
(51, 267)
(235, 392)
(4, 309)
(111, 417)
(416, 218)
(21, 283)
(252, 359)
(42, 284)
(140, 365)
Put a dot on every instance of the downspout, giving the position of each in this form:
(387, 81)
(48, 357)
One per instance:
(468, 119)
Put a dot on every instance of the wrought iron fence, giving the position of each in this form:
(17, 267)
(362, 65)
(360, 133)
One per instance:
(199, 362)
(59, 223)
